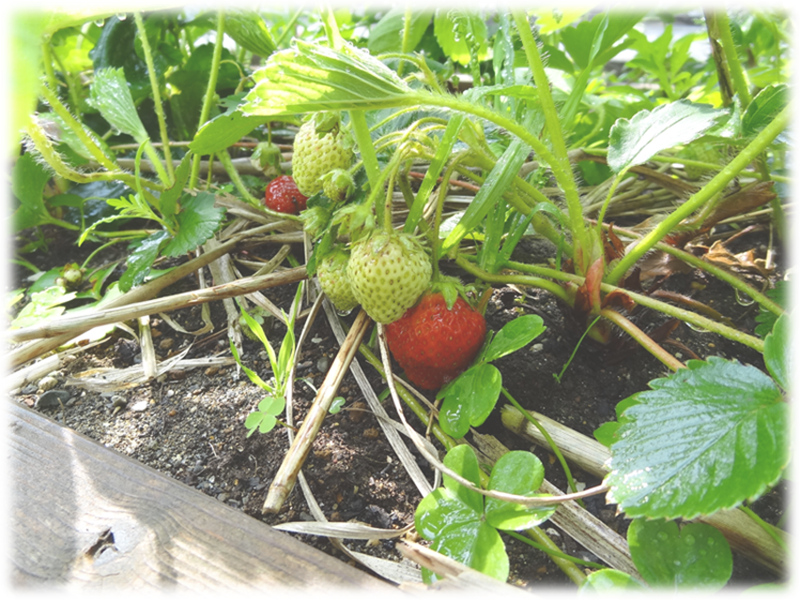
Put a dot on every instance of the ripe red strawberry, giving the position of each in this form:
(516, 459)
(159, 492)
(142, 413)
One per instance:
(434, 344)
(283, 196)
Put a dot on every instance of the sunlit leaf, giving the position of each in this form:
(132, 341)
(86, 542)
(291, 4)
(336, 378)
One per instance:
(387, 34)
(22, 51)
(706, 438)
(635, 141)
(514, 335)
(112, 97)
(697, 556)
(520, 473)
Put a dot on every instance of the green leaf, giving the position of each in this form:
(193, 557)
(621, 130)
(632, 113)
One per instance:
(490, 194)
(469, 399)
(549, 20)
(387, 34)
(463, 461)
(635, 141)
(43, 306)
(248, 29)
(168, 201)
(476, 545)
(22, 49)
(457, 44)
(59, 14)
(514, 335)
(766, 318)
(112, 97)
(706, 438)
(764, 108)
(224, 130)
(519, 473)
(442, 509)
(251, 375)
(610, 580)
(695, 556)
(28, 180)
(140, 261)
(313, 77)
(778, 352)
(197, 222)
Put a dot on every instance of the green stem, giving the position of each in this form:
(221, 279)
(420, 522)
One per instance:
(364, 141)
(564, 177)
(713, 187)
(729, 48)
(644, 340)
(530, 418)
(405, 39)
(554, 553)
(668, 309)
(151, 70)
(289, 27)
(766, 527)
(211, 88)
(567, 565)
(718, 272)
(614, 184)
(157, 164)
(77, 128)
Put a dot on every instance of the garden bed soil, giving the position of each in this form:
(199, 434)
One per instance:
(189, 424)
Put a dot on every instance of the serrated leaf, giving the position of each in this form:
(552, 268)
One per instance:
(249, 30)
(778, 352)
(697, 556)
(633, 142)
(198, 220)
(610, 580)
(764, 108)
(313, 77)
(28, 181)
(463, 461)
(490, 194)
(111, 95)
(387, 34)
(514, 335)
(470, 399)
(476, 545)
(140, 261)
(519, 473)
(224, 130)
(706, 438)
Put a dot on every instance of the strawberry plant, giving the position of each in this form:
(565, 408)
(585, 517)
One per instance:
(414, 153)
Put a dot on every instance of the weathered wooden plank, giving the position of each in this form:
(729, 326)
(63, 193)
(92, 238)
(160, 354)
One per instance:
(86, 517)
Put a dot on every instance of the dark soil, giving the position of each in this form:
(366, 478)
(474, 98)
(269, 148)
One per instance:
(189, 424)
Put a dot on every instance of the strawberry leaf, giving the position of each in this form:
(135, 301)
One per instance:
(695, 556)
(197, 221)
(706, 438)
(469, 399)
(610, 580)
(514, 335)
(140, 261)
(518, 473)
(777, 352)
(463, 461)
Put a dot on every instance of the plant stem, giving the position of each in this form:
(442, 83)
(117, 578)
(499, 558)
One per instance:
(713, 187)
(644, 340)
(718, 272)
(210, 90)
(563, 173)
(547, 437)
(404, 44)
(554, 553)
(77, 128)
(567, 565)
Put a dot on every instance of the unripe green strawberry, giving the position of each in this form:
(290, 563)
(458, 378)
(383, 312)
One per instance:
(388, 272)
(317, 153)
(332, 275)
(338, 184)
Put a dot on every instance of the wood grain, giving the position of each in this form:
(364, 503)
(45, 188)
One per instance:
(85, 518)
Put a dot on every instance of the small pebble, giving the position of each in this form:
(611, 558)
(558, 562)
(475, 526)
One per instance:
(51, 399)
(140, 406)
(166, 343)
(323, 363)
(372, 433)
(212, 370)
(47, 383)
(119, 401)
